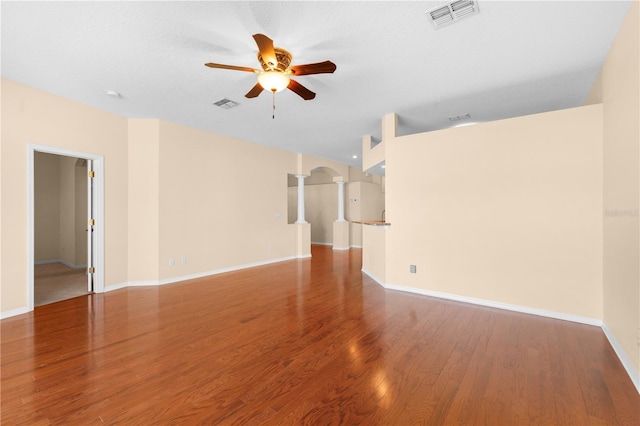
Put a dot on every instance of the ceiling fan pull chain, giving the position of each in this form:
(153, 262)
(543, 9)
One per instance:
(273, 105)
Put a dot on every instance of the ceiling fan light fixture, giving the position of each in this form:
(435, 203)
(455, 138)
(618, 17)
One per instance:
(274, 81)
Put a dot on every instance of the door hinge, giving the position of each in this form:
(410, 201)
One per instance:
(91, 270)
(92, 222)
(92, 173)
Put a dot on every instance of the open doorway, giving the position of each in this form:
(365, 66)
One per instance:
(65, 225)
(60, 228)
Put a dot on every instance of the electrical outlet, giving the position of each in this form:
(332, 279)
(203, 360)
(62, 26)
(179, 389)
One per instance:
(172, 262)
(183, 260)
(412, 269)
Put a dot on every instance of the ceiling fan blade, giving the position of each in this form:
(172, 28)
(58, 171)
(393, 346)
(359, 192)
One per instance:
(265, 46)
(255, 91)
(231, 67)
(325, 67)
(302, 91)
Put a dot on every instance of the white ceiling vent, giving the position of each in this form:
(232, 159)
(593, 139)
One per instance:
(452, 12)
(459, 117)
(226, 103)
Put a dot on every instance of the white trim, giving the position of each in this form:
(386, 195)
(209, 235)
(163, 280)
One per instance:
(116, 286)
(30, 228)
(499, 305)
(46, 262)
(341, 248)
(355, 246)
(490, 303)
(64, 262)
(321, 244)
(14, 312)
(197, 275)
(626, 363)
(223, 270)
(98, 167)
(302, 256)
(374, 277)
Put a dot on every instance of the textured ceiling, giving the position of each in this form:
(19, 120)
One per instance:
(511, 59)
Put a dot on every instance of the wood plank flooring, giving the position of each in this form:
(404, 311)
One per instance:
(309, 341)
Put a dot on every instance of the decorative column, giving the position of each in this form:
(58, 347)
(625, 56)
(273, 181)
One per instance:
(341, 226)
(340, 201)
(301, 199)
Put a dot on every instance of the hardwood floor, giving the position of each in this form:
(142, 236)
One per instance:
(309, 341)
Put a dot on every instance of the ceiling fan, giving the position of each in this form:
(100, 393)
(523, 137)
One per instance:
(277, 70)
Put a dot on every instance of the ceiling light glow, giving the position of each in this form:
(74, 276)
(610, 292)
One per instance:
(274, 81)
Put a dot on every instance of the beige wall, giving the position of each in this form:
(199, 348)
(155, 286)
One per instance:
(60, 209)
(292, 204)
(352, 211)
(620, 91)
(46, 188)
(321, 210)
(321, 203)
(374, 252)
(371, 201)
(33, 116)
(508, 211)
(143, 200)
(306, 164)
(81, 212)
(365, 201)
(67, 210)
(170, 192)
(222, 203)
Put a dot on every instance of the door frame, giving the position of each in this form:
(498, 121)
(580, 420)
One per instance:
(98, 214)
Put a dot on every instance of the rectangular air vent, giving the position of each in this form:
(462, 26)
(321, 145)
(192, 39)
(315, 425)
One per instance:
(452, 12)
(226, 103)
(459, 117)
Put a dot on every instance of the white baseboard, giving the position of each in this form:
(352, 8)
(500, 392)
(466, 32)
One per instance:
(626, 363)
(46, 262)
(117, 286)
(499, 305)
(14, 312)
(490, 303)
(198, 275)
(355, 246)
(628, 366)
(321, 244)
(64, 262)
(340, 248)
(374, 277)
(223, 270)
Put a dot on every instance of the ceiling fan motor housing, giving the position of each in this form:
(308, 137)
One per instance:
(283, 57)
